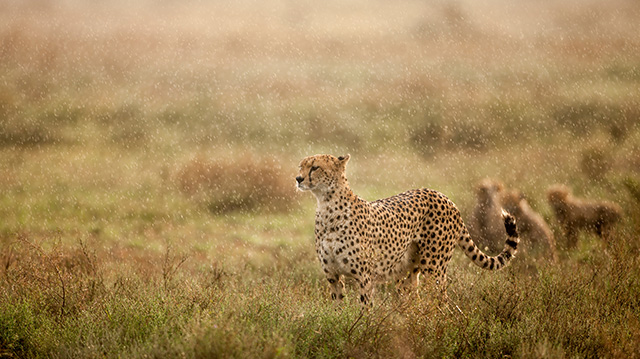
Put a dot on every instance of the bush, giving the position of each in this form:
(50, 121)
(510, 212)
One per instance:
(428, 138)
(243, 182)
(595, 163)
(581, 118)
(468, 135)
(26, 133)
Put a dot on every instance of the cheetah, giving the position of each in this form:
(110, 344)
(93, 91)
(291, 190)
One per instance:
(396, 238)
(575, 214)
(486, 223)
(531, 226)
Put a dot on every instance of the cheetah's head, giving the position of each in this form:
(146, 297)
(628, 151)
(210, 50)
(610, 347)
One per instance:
(321, 172)
(513, 201)
(558, 194)
(489, 188)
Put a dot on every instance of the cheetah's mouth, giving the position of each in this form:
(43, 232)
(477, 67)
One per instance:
(302, 187)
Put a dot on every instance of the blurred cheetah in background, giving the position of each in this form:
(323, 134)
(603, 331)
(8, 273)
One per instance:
(575, 214)
(491, 198)
(397, 238)
(486, 221)
(531, 225)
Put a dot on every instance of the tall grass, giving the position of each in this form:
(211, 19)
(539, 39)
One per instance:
(66, 307)
(148, 150)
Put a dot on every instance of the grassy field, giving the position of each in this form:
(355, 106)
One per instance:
(148, 151)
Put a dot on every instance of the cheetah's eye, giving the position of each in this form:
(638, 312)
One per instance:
(313, 168)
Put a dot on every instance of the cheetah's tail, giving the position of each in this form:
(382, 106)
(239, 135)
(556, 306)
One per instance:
(501, 260)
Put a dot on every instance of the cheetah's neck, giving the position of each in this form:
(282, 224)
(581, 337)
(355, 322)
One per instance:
(335, 201)
(334, 195)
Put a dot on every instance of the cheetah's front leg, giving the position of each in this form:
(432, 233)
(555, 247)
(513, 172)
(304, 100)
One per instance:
(336, 286)
(436, 281)
(366, 290)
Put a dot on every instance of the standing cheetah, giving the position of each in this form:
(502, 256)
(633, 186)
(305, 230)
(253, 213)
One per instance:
(576, 214)
(393, 238)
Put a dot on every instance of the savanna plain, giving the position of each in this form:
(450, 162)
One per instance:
(148, 151)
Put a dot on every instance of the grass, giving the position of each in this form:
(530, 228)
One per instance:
(69, 306)
(147, 157)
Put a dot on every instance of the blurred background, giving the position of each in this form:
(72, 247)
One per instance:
(119, 110)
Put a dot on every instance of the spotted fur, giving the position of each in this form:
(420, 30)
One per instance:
(396, 238)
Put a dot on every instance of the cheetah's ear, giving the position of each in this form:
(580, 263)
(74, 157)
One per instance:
(343, 159)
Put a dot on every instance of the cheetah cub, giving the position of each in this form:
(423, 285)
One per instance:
(575, 214)
(396, 238)
(486, 224)
(531, 226)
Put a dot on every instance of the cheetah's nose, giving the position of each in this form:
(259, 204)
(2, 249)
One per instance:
(299, 179)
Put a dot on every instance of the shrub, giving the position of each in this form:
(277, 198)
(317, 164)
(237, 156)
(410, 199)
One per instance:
(27, 133)
(467, 135)
(428, 138)
(595, 163)
(580, 118)
(243, 182)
